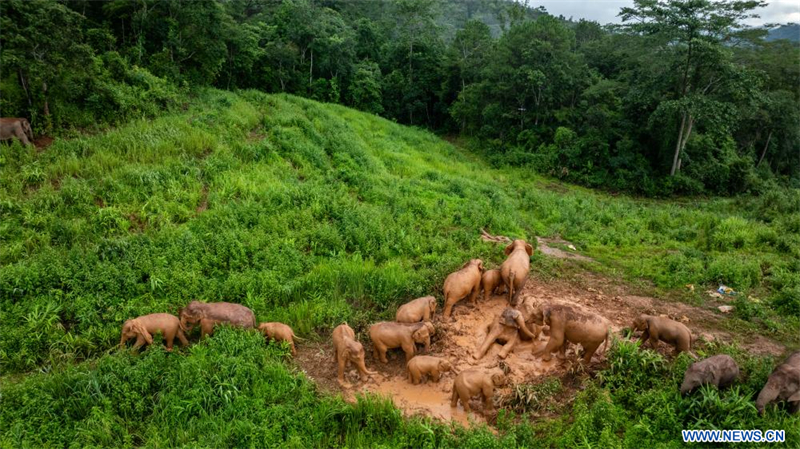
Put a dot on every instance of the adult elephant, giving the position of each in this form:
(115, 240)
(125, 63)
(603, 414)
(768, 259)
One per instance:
(211, 314)
(514, 270)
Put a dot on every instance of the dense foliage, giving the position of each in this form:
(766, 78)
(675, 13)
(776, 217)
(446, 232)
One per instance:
(678, 99)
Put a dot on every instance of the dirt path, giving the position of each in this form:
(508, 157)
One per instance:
(458, 339)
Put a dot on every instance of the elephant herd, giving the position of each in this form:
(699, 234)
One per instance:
(522, 320)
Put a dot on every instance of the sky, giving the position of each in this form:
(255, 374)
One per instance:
(605, 11)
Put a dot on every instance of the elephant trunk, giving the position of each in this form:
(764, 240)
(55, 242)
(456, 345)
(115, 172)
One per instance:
(767, 395)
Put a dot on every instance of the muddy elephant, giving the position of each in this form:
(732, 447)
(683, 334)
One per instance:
(420, 309)
(655, 328)
(423, 365)
(211, 314)
(719, 370)
(278, 332)
(515, 268)
(19, 128)
(491, 282)
(346, 350)
(145, 326)
(388, 335)
(477, 382)
(464, 282)
(783, 385)
(570, 325)
(506, 328)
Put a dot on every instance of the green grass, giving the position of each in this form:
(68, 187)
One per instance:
(311, 214)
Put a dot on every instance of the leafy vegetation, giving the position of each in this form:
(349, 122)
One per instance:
(680, 99)
(313, 214)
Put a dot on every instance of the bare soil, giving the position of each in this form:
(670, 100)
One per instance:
(457, 340)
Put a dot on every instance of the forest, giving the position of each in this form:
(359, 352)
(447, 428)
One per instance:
(679, 99)
(323, 163)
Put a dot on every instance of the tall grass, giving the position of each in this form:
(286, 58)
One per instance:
(309, 214)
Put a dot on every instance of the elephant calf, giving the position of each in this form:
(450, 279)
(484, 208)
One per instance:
(422, 365)
(210, 314)
(783, 385)
(477, 382)
(420, 309)
(464, 282)
(655, 328)
(143, 327)
(571, 325)
(515, 268)
(347, 349)
(506, 328)
(491, 281)
(719, 370)
(18, 128)
(278, 332)
(387, 335)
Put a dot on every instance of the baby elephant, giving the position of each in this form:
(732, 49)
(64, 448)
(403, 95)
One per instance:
(388, 335)
(477, 382)
(655, 328)
(783, 385)
(420, 309)
(421, 365)
(210, 314)
(278, 332)
(143, 327)
(719, 370)
(491, 282)
(19, 128)
(347, 349)
(505, 329)
(464, 282)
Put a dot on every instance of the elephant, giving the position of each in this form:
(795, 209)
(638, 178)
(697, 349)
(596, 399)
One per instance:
(421, 365)
(719, 370)
(387, 335)
(655, 328)
(477, 382)
(506, 328)
(571, 325)
(490, 282)
(347, 349)
(278, 332)
(146, 325)
(420, 309)
(515, 268)
(783, 385)
(13, 127)
(210, 314)
(464, 282)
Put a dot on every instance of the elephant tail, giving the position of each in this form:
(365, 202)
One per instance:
(512, 277)
(609, 333)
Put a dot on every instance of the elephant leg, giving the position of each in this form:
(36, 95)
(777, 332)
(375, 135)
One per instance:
(122, 341)
(653, 342)
(291, 345)
(473, 296)
(409, 349)
(644, 338)
(435, 376)
(182, 338)
(335, 355)
(518, 290)
(464, 400)
(382, 354)
(555, 342)
(414, 377)
(340, 377)
(562, 351)
(139, 342)
(206, 328)
(168, 339)
(489, 341)
(488, 394)
(590, 349)
(454, 397)
(509, 346)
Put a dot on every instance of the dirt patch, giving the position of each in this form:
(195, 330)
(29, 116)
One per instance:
(458, 339)
(42, 142)
(549, 247)
(256, 134)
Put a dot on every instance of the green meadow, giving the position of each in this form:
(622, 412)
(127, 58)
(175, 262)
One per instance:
(313, 214)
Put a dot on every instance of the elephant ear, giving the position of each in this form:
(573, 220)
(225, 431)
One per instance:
(546, 316)
(137, 325)
(420, 334)
(498, 379)
(795, 397)
(509, 248)
(529, 249)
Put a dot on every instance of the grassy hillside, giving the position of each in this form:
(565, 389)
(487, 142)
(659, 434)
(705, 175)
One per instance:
(312, 215)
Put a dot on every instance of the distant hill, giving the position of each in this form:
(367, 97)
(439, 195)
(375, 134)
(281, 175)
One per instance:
(790, 31)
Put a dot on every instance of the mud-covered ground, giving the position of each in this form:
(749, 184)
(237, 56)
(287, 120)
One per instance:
(457, 340)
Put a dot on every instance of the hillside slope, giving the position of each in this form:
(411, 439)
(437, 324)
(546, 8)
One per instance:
(310, 214)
